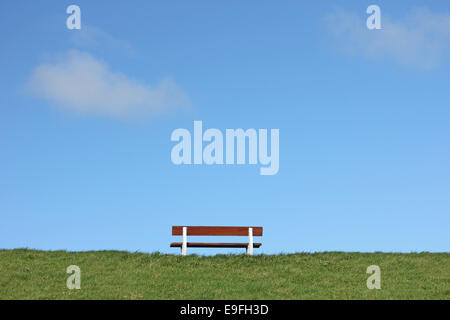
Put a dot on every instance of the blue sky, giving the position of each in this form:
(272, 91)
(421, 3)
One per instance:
(86, 118)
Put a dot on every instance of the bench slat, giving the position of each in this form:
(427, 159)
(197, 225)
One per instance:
(216, 231)
(214, 245)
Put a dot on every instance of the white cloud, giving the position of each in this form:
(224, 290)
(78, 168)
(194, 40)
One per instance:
(421, 39)
(82, 83)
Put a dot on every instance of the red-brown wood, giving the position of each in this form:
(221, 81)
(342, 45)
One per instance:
(213, 245)
(216, 231)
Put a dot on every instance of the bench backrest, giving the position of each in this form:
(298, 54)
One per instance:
(216, 231)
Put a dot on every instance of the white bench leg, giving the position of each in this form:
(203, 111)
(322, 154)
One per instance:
(250, 242)
(184, 245)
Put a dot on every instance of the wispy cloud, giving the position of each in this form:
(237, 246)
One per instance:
(420, 39)
(94, 37)
(82, 83)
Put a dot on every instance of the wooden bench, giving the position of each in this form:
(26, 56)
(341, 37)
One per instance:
(216, 231)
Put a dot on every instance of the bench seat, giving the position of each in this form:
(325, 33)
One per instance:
(214, 245)
(186, 231)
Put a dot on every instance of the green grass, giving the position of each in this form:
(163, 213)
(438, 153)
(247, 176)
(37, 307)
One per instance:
(30, 274)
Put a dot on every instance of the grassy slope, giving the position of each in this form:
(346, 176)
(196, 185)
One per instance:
(29, 274)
